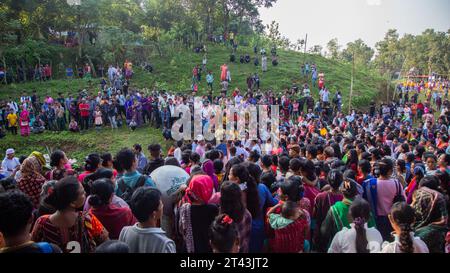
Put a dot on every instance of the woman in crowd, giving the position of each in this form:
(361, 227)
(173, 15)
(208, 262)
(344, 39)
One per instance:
(92, 164)
(224, 235)
(431, 214)
(196, 215)
(402, 217)
(232, 205)
(71, 230)
(112, 217)
(359, 238)
(31, 180)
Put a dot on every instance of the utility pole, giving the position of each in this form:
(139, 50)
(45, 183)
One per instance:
(304, 54)
(351, 83)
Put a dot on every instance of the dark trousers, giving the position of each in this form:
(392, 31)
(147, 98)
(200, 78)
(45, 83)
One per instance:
(146, 115)
(13, 130)
(84, 123)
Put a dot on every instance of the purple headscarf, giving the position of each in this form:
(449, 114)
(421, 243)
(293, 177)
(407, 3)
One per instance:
(208, 168)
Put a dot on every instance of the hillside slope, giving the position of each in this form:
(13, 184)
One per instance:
(174, 73)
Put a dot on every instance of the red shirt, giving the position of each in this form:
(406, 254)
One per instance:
(84, 109)
(114, 219)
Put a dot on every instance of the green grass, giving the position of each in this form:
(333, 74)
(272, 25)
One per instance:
(79, 145)
(174, 73)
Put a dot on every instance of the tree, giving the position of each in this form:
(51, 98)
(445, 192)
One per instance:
(316, 49)
(333, 49)
(362, 52)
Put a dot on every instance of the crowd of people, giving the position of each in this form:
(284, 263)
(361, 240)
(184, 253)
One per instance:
(357, 183)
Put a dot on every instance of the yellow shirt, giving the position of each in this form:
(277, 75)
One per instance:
(12, 119)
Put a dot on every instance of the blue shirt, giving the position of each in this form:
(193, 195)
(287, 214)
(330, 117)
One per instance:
(266, 200)
(131, 178)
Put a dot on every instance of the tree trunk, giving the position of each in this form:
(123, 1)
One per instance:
(4, 66)
(94, 74)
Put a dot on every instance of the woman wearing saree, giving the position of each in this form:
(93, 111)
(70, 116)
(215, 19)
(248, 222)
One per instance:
(431, 214)
(24, 122)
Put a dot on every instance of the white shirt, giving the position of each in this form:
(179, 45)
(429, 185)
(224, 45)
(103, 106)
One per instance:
(345, 240)
(9, 165)
(177, 154)
(394, 247)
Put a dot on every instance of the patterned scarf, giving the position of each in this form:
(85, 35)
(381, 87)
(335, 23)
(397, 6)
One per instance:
(32, 180)
(428, 204)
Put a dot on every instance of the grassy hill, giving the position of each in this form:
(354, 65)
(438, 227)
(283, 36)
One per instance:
(174, 73)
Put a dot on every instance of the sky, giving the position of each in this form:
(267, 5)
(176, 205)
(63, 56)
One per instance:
(348, 20)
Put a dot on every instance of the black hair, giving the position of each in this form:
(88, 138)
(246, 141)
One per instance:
(117, 166)
(144, 202)
(430, 181)
(266, 160)
(404, 216)
(409, 157)
(92, 162)
(293, 188)
(335, 179)
(172, 161)
(385, 166)
(137, 147)
(231, 201)
(295, 164)
(106, 157)
(101, 192)
(195, 157)
(8, 184)
(185, 156)
(154, 148)
(349, 173)
(112, 246)
(402, 164)
(309, 170)
(16, 211)
(349, 189)
(56, 157)
(242, 172)
(125, 158)
(212, 154)
(420, 150)
(64, 193)
(365, 166)
(312, 150)
(283, 164)
(360, 212)
(179, 143)
(22, 159)
(353, 157)
(218, 166)
(254, 156)
(275, 160)
(223, 235)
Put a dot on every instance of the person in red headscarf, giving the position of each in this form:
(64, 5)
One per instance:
(196, 215)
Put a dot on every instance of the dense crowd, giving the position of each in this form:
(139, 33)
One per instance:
(365, 181)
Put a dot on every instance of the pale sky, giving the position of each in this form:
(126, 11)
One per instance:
(349, 20)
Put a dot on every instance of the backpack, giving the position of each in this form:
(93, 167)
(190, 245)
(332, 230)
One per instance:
(128, 191)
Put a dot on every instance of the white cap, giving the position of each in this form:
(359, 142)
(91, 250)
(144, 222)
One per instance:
(200, 138)
(10, 151)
